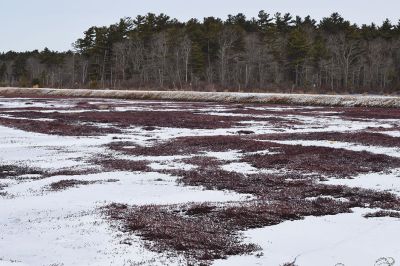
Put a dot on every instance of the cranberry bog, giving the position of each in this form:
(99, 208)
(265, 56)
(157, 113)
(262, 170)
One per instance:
(95, 181)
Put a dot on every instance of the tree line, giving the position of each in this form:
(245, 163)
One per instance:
(269, 53)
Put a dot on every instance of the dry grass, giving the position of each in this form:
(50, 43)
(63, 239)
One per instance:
(271, 98)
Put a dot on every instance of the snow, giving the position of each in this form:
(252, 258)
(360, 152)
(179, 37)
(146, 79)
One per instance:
(66, 226)
(46, 151)
(231, 155)
(27, 103)
(395, 134)
(52, 227)
(376, 181)
(242, 168)
(346, 238)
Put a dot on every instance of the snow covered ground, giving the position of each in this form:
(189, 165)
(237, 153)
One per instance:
(39, 226)
(347, 238)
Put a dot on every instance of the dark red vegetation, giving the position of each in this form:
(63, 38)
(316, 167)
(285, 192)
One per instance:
(84, 122)
(245, 132)
(70, 172)
(369, 112)
(195, 145)
(61, 126)
(110, 164)
(176, 119)
(27, 173)
(285, 187)
(103, 112)
(200, 239)
(3, 193)
(69, 183)
(209, 231)
(64, 184)
(391, 214)
(13, 171)
(320, 160)
(343, 112)
(326, 161)
(9, 111)
(205, 232)
(204, 162)
(361, 137)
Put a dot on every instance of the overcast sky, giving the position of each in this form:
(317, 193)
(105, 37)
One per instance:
(35, 24)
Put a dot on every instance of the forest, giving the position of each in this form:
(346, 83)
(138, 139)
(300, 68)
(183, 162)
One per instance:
(269, 53)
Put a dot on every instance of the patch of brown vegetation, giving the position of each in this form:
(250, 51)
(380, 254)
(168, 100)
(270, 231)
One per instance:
(323, 160)
(394, 127)
(288, 187)
(361, 137)
(149, 128)
(205, 232)
(208, 231)
(203, 162)
(327, 161)
(377, 214)
(65, 184)
(343, 112)
(70, 183)
(88, 106)
(194, 145)
(70, 172)
(61, 126)
(278, 197)
(245, 132)
(3, 193)
(29, 173)
(149, 119)
(13, 171)
(110, 164)
(11, 110)
(199, 238)
(370, 113)
(175, 119)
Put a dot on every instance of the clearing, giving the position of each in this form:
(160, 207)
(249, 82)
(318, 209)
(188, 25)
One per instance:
(89, 181)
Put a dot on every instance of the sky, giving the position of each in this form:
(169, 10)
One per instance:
(56, 24)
